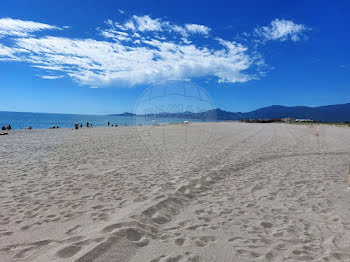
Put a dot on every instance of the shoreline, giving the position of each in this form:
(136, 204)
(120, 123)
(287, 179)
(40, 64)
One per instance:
(177, 123)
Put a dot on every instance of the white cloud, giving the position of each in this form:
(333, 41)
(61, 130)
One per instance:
(141, 50)
(6, 52)
(92, 62)
(116, 35)
(98, 63)
(281, 30)
(128, 25)
(199, 29)
(51, 77)
(179, 29)
(20, 28)
(10, 53)
(146, 23)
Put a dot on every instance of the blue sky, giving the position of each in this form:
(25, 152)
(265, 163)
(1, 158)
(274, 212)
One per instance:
(97, 57)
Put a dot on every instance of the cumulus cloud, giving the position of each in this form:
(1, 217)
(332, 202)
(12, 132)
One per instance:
(20, 28)
(141, 50)
(145, 23)
(281, 30)
(194, 28)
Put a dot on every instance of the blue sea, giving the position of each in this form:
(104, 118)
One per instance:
(19, 120)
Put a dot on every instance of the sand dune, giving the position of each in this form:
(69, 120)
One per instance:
(229, 192)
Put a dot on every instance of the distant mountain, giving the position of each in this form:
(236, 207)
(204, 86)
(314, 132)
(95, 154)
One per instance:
(223, 115)
(330, 113)
(123, 114)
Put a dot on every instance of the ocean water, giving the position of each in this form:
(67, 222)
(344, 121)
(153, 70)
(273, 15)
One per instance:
(19, 120)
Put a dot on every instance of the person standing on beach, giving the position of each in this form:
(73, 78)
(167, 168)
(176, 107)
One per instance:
(108, 123)
(9, 127)
(87, 124)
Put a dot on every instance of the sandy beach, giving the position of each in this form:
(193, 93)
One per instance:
(197, 192)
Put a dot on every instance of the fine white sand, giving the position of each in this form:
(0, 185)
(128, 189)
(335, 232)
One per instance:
(198, 192)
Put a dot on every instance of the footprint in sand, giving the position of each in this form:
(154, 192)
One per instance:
(132, 234)
(68, 251)
(171, 258)
(74, 230)
(160, 219)
(25, 253)
(195, 258)
(266, 224)
(179, 241)
(7, 233)
(234, 238)
(203, 241)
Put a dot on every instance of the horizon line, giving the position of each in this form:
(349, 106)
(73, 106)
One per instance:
(28, 112)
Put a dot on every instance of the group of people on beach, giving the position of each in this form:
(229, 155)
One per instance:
(76, 125)
(6, 128)
(90, 125)
(3, 128)
(116, 125)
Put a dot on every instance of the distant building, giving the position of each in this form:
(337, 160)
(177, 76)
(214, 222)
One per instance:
(304, 120)
(288, 119)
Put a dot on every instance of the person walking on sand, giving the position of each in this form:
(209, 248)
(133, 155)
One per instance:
(108, 123)
(87, 124)
(76, 126)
